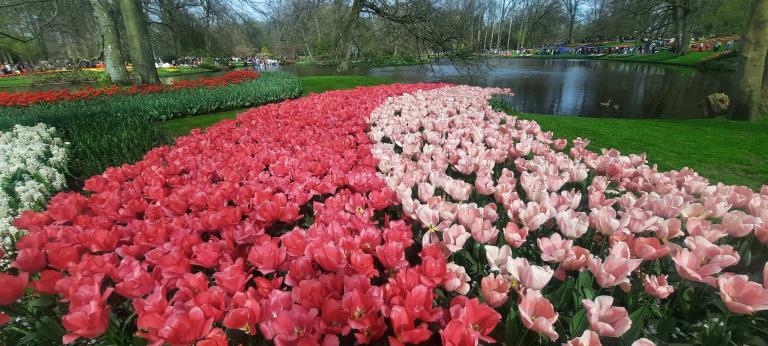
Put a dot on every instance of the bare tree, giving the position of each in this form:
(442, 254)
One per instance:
(572, 11)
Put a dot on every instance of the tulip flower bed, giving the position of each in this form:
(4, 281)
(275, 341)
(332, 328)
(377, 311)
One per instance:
(112, 130)
(22, 99)
(398, 214)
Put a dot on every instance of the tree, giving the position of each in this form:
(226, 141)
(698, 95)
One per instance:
(137, 34)
(114, 62)
(571, 10)
(752, 63)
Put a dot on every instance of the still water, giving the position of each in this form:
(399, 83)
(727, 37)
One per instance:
(572, 87)
(552, 86)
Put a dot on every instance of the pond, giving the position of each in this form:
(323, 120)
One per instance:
(592, 88)
(572, 87)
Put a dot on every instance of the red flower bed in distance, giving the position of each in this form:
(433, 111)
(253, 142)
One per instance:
(274, 223)
(21, 99)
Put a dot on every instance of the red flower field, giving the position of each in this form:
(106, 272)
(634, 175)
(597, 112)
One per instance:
(21, 99)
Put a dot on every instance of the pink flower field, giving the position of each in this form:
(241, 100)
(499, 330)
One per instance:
(399, 214)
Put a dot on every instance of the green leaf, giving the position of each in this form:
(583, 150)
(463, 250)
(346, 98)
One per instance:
(755, 340)
(579, 322)
(42, 301)
(512, 327)
(638, 318)
(49, 328)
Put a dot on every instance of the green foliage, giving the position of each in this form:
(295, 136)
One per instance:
(67, 76)
(110, 131)
(270, 87)
(314, 84)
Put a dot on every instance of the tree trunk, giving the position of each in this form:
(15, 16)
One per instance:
(683, 37)
(350, 28)
(765, 80)
(114, 63)
(306, 45)
(139, 42)
(42, 46)
(752, 65)
(509, 32)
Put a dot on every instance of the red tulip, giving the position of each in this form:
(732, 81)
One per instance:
(405, 330)
(47, 282)
(267, 257)
(12, 288)
(30, 260)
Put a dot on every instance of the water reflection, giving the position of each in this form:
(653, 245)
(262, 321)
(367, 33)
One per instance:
(563, 87)
(572, 87)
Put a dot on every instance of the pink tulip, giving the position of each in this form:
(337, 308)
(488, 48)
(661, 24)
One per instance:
(702, 228)
(604, 220)
(738, 223)
(702, 260)
(657, 286)
(457, 189)
(495, 290)
(538, 314)
(515, 235)
(572, 224)
(427, 216)
(426, 191)
(484, 232)
(534, 215)
(467, 214)
(761, 232)
(457, 279)
(643, 342)
(606, 319)
(576, 259)
(669, 228)
(588, 338)
(616, 267)
(742, 296)
(555, 248)
(765, 271)
(648, 248)
(454, 237)
(529, 276)
(498, 256)
(484, 185)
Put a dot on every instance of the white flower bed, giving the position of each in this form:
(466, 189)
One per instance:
(32, 164)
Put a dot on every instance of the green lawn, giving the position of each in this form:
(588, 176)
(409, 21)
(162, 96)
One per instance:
(15, 81)
(731, 152)
(318, 84)
(722, 150)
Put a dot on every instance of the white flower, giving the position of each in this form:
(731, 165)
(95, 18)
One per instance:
(32, 164)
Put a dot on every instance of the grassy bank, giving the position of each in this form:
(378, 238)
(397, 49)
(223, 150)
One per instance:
(693, 59)
(731, 152)
(724, 151)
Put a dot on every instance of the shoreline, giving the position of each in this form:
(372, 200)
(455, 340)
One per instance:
(695, 60)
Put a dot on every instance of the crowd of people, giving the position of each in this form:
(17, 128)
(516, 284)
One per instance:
(17, 68)
(260, 63)
(630, 47)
